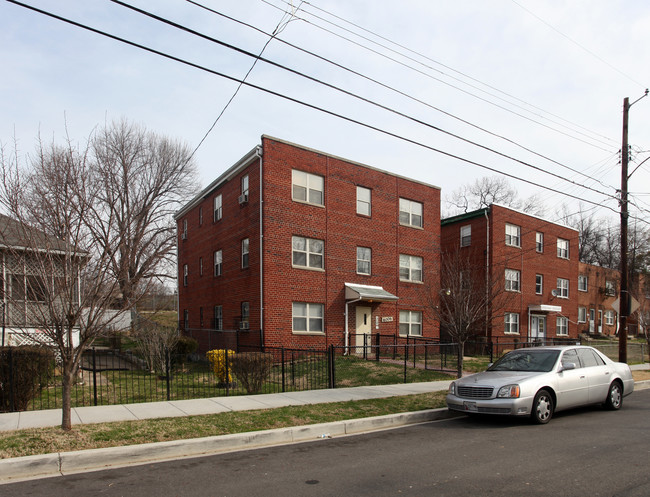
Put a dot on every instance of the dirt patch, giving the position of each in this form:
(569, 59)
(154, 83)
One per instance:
(641, 375)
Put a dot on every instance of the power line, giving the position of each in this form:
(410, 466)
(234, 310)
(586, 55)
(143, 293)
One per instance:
(391, 88)
(292, 99)
(346, 92)
(445, 82)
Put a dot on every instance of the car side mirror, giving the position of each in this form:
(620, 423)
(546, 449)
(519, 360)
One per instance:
(567, 366)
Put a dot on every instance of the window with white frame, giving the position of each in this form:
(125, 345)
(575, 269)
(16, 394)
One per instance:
(410, 268)
(218, 262)
(218, 318)
(410, 323)
(307, 252)
(184, 233)
(364, 254)
(307, 187)
(410, 213)
(562, 326)
(563, 288)
(513, 280)
(186, 318)
(308, 318)
(244, 253)
(609, 317)
(562, 248)
(513, 235)
(186, 272)
(582, 314)
(244, 186)
(363, 201)
(583, 283)
(511, 323)
(539, 242)
(218, 208)
(539, 284)
(466, 235)
(610, 288)
(245, 307)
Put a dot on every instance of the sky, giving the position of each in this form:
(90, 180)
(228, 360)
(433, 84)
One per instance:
(442, 92)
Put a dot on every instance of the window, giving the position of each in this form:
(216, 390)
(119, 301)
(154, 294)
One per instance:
(184, 233)
(200, 266)
(245, 315)
(410, 268)
(363, 260)
(563, 288)
(201, 216)
(589, 358)
(244, 186)
(306, 187)
(307, 252)
(218, 262)
(186, 319)
(35, 288)
(185, 274)
(244, 253)
(200, 317)
(410, 213)
(466, 235)
(218, 317)
(562, 326)
(513, 280)
(582, 314)
(513, 235)
(363, 201)
(410, 323)
(308, 318)
(562, 248)
(511, 321)
(539, 242)
(539, 284)
(218, 208)
(609, 317)
(583, 283)
(610, 288)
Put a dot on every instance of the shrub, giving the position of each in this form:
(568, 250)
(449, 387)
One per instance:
(185, 346)
(24, 372)
(252, 369)
(220, 368)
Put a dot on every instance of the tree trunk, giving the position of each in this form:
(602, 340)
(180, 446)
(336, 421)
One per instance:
(461, 354)
(66, 393)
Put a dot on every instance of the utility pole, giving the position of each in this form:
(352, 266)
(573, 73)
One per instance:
(625, 295)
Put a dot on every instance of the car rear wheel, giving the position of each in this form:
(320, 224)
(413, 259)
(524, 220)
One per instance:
(542, 407)
(614, 396)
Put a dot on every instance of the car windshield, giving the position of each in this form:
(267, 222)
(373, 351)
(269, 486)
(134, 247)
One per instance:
(527, 360)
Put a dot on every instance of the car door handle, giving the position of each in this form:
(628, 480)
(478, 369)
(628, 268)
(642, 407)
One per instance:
(582, 377)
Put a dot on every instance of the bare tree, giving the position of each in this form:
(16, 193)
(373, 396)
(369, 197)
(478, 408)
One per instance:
(468, 301)
(141, 179)
(591, 235)
(492, 190)
(57, 287)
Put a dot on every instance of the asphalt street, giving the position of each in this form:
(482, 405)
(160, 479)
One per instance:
(588, 451)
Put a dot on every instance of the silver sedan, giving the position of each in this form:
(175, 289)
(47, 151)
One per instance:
(539, 381)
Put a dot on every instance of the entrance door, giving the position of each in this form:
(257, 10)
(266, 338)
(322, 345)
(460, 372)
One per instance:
(600, 321)
(363, 328)
(537, 327)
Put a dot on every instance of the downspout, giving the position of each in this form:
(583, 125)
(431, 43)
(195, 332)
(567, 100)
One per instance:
(259, 153)
(347, 327)
(487, 273)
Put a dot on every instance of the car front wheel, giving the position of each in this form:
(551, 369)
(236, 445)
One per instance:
(614, 396)
(542, 407)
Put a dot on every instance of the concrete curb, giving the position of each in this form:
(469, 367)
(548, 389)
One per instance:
(65, 463)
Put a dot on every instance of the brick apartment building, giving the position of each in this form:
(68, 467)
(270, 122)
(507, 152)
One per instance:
(598, 289)
(309, 248)
(532, 271)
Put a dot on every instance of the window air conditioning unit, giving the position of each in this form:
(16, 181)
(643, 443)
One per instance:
(243, 325)
(243, 198)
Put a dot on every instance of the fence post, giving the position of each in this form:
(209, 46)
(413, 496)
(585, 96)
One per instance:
(283, 372)
(377, 347)
(168, 372)
(12, 395)
(331, 360)
(94, 376)
(227, 371)
(405, 358)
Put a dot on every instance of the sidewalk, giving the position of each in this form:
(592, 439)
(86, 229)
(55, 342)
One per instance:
(177, 408)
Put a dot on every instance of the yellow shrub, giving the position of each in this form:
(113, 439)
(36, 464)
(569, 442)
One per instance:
(218, 359)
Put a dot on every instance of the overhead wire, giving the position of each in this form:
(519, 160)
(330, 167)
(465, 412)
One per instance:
(288, 98)
(395, 90)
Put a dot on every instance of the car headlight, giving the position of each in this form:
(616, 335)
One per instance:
(452, 388)
(509, 391)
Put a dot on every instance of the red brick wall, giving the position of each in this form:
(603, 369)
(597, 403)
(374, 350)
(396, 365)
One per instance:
(597, 299)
